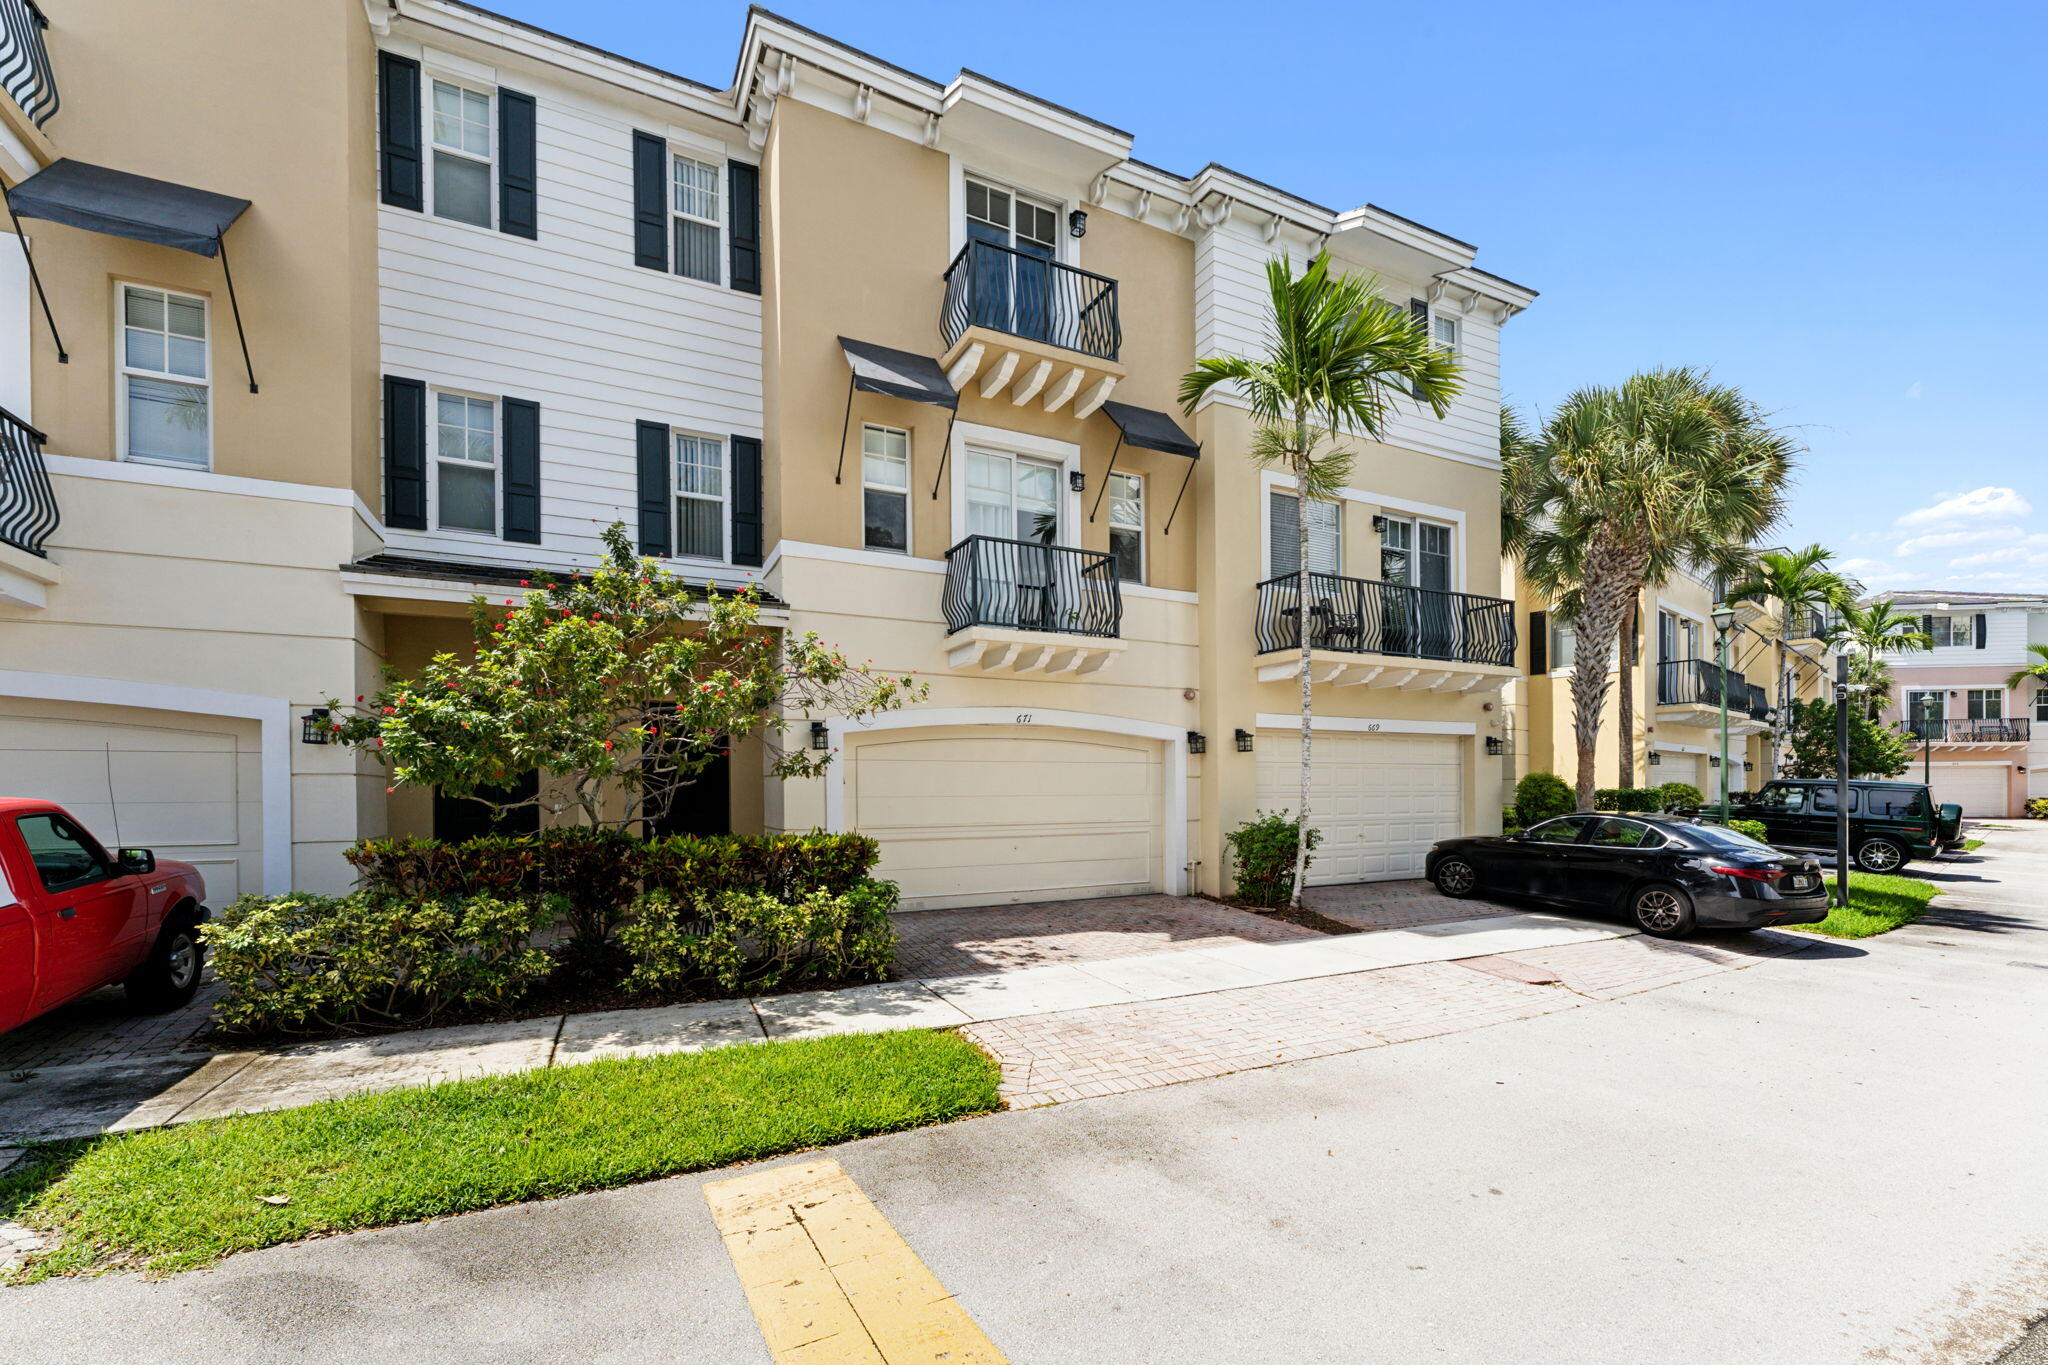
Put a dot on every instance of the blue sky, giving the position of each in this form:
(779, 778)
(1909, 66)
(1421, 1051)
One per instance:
(1841, 207)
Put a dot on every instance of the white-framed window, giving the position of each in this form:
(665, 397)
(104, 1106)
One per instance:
(1283, 543)
(1127, 525)
(462, 153)
(702, 491)
(1926, 712)
(1564, 644)
(696, 210)
(165, 379)
(1415, 553)
(2041, 705)
(465, 463)
(1012, 219)
(1987, 703)
(885, 488)
(1444, 332)
(1959, 632)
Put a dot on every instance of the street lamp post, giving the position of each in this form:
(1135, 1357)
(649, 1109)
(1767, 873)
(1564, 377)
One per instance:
(1724, 623)
(1926, 741)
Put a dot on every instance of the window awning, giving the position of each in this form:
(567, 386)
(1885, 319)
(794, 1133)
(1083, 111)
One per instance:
(101, 199)
(1148, 430)
(894, 374)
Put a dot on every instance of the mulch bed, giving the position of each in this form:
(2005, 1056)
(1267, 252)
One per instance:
(1302, 919)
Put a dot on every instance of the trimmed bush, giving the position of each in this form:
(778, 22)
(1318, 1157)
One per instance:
(1753, 828)
(2037, 808)
(305, 963)
(749, 940)
(1628, 800)
(1262, 853)
(1510, 820)
(1543, 796)
(1681, 796)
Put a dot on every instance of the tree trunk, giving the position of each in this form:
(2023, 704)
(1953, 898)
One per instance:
(1302, 619)
(1610, 582)
(1628, 694)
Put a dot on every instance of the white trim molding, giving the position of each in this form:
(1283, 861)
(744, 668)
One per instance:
(1174, 859)
(1280, 720)
(273, 716)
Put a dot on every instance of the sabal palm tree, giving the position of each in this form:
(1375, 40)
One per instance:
(1623, 486)
(1802, 583)
(1339, 358)
(1871, 630)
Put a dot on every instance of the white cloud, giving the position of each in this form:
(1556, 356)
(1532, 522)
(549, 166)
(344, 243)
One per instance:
(1914, 391)
(1945, 540)
(1987, 503)
(2033, 555)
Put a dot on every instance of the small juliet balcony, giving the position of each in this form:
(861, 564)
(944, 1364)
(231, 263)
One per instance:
(2012, 731)
(28, 514)
(1019, 606)
(1030, 329)
(1366, 633)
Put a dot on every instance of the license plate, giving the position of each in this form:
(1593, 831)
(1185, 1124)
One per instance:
(1801, 883)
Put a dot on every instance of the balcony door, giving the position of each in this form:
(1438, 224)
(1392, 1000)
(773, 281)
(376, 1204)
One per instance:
(1015, 500)
(1926, 713)
(1013, 287)
(1421, 612)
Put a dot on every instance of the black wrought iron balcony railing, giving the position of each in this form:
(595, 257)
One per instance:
(1813, 624)
(999, 287)
(25, 62)
(1757, 701)
(1025, 585)
(28, 505)
(1366, 616)
(1701, 682)
(2005, 730)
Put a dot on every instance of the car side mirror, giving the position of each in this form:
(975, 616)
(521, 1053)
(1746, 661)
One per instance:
(138, 862)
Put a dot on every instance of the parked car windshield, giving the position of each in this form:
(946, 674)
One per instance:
(1720, 836)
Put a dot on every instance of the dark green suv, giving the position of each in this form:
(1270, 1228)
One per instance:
(1890, 823)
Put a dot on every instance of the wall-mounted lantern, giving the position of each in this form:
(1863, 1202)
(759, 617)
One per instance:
(1077, 223)
(317, 727)
(1244, 741)
(1656, 759)
(1198, 743)
(821, 738)
(1494, 747)
(1076, 480)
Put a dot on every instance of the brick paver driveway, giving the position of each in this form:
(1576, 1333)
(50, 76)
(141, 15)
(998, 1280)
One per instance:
(1006, 937)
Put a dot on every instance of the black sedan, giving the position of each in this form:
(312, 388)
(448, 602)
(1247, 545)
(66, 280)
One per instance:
(1668, 875)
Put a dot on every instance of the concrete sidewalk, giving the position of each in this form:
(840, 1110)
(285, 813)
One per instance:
(71, 1101)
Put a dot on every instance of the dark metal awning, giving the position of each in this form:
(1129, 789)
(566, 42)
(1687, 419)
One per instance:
(1148, 430)
(101, 199)
(894, 374)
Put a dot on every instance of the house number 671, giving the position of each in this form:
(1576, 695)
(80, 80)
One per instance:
(1024, 718)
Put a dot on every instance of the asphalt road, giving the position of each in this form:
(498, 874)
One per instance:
(1836, 1156)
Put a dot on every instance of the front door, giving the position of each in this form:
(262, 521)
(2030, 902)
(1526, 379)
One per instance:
(1015, 500)
(91, 918)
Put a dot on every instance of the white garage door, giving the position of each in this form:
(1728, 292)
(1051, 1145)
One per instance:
(1380, 800)
(1687, 768)
(188, 787)
(970, 816)
(1979, 791)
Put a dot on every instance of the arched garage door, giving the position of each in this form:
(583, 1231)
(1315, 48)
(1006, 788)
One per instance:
(977, 815)
(1380, 800)
(189, 787)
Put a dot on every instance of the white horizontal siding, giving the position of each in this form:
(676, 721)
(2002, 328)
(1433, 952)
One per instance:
(2005, 644)
(571, 323)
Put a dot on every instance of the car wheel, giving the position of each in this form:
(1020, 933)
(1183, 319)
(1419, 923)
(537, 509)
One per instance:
(1456, 878)
(1661, 911)
(1880, 856)
(170, 978)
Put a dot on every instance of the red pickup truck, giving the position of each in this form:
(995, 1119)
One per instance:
(74, 919)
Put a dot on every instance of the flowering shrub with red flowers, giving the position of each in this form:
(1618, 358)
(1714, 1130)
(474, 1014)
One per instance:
(618, 687)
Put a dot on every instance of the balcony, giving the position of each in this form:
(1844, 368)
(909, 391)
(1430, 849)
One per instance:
(1814, 625)
(1019, 606)
(1691, 692)
(25, 62)
(1037, 328)
(2012, 730)
(1366, 633)
(28, 513)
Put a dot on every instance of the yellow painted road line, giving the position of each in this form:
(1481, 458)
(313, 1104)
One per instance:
(830, 1282)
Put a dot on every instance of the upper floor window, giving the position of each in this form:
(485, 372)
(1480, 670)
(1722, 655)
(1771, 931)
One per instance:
(701, 497)
(885, 488)
(1444, 331)
(694, 206)
(1415, 553)
(1987, 703)
(462, 154)
(2041, 705)
(1127, 526)
(1678, 637)
(165, 382)
(1283, 536)
(1957, 631)
(465, 463)
(1006, 218)
(1564, 644)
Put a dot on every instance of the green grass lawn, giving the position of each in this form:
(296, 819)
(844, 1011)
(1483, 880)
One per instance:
(1972, 845)
(1877, 905)
(173, 1198)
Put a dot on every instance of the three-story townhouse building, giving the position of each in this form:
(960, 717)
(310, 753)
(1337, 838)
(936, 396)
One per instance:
(1980, 743)
(903, 351)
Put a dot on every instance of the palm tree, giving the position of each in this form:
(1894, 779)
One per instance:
(1868, 631)
(2038, 671)
(1802, 583)
(1339, 357)
(1622, 487)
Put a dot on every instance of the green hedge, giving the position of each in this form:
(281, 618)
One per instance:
(748, 940)
(1543, 796)
(1648, 800)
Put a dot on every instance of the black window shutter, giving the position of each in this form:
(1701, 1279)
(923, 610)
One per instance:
(1983, 630)
(743, 237)
(651, 447)
(650, 201)
(405, 453)
(398, 130)
(1539, 642)
(1927, 629)
(522, 470)
(518, 173)
(746, 500)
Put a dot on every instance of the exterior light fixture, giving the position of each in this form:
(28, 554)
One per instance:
(1244, 741)
(1494, 747)
(1077, 223)
(1656, 759)
(821, 738)
(1714, 761)
(1198, 743)
(1748, 766)
(1379, 525)
(1724, 617)
(317, 727)
(1076, 480)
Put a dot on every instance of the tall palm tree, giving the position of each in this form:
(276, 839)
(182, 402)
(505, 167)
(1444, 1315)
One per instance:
(2038, 671)
(1620, 488)
(1338, 359)
(1801, 582)
(1875, 629)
